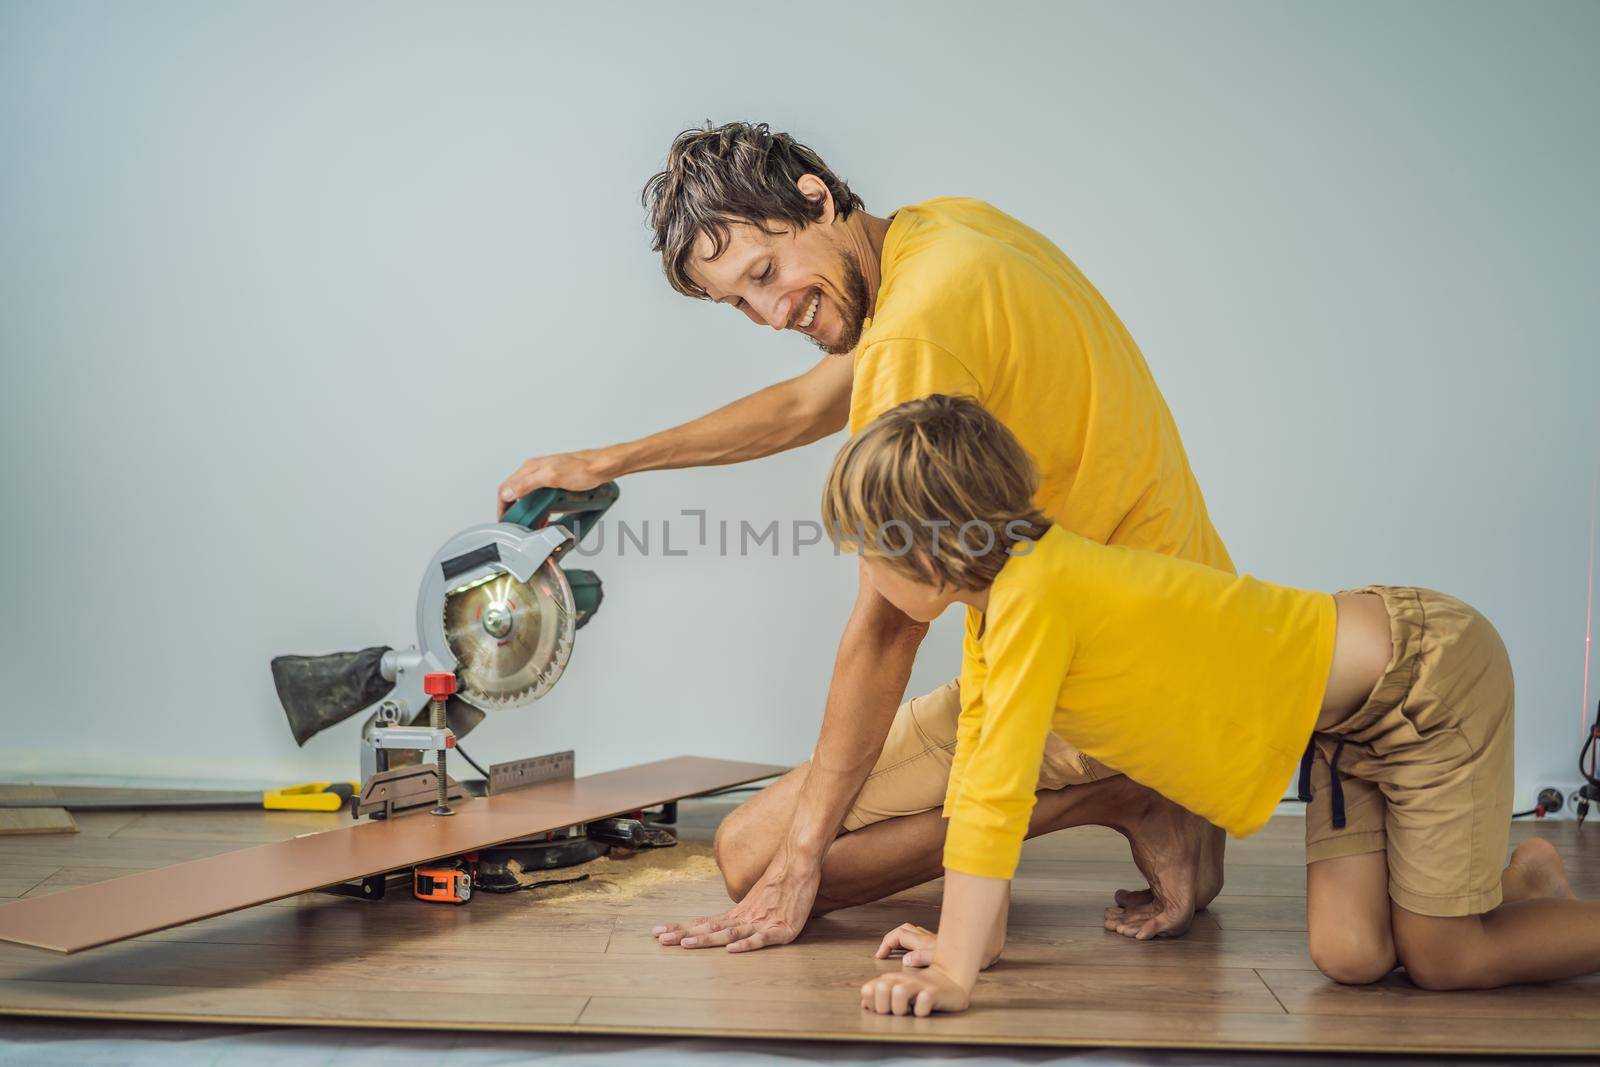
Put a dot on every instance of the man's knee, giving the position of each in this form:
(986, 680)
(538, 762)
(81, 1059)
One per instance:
(1352, 957)
(740, 868)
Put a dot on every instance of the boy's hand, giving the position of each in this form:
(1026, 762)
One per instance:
(973, 930)
(918, 943)
(914, 993)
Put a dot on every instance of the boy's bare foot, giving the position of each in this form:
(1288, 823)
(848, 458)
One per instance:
(1535, 872)
(1181, 855)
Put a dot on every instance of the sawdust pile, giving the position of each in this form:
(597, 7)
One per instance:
(625, 876)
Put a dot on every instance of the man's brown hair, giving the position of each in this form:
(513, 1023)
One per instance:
(739, 172)
(939, 489)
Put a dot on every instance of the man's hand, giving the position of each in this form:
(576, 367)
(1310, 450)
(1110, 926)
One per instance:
(576, 471)
(772, 913)
(780, 417)
(915, 993)
(875, 657)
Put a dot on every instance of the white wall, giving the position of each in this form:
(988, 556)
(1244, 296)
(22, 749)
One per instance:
(286, 289)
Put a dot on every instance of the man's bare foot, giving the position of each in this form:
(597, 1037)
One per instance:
(1181, 855)
(1536, 871)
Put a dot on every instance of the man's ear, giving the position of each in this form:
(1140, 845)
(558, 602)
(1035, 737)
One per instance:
(815, 190)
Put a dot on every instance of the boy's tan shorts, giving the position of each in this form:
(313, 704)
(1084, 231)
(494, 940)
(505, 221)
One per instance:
(914, 767)
(1425, 764)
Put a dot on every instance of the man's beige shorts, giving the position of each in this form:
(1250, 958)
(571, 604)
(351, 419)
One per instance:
(914, 767)
(1426, 762)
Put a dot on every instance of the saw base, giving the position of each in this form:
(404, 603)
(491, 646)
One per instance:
(405, 789)
(517, 866)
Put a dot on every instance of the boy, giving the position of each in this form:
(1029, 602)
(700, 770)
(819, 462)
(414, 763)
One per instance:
(1394, 703)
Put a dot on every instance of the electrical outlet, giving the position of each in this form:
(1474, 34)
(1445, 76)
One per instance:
(1569, 795)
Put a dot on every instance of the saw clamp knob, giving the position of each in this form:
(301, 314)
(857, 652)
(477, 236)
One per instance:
(439, 685)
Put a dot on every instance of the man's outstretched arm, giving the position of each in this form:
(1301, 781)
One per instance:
(787, 415)
(869, 678)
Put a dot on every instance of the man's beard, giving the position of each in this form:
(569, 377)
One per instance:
(857, 301)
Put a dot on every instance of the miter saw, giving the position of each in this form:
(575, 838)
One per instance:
(497, 611)
(496, 616)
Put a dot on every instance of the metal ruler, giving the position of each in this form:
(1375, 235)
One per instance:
(521, 773)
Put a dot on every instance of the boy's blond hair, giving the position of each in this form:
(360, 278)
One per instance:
(939, 489)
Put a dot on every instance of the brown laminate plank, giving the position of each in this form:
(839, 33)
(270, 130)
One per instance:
(512, 967)
(328, 928)
(377, 1005)
(985, 1024)
(1276, 848)
(205, 825)
(17, 822)
(65, 878)
(19, 877)
(154, 900)
(102, 823)
(114, 797)
(580, 959)
(320, 922)
(1240, 911)
(1003, 1021)
(111, 851)
(1086, 908)
(1050, 881)
(1309, 993)
(855, 933)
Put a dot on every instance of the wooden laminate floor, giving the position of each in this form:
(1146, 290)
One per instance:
(579, 958)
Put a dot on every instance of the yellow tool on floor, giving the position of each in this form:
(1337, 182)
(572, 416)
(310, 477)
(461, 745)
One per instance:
(312, 796)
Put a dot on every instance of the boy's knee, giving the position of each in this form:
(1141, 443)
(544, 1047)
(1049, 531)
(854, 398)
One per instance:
(1441, 964)
(1443, 971)
(1352, 958)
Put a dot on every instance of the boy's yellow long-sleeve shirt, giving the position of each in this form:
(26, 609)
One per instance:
(1200, 684)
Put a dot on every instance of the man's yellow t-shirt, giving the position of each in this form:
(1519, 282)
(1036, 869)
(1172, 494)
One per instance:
(1200, 684)
(973, 302)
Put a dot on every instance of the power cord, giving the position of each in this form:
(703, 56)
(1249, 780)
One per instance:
(463, 754)
(731, 791)
(1591, 774)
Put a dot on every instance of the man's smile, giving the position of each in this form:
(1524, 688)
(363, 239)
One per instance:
(806, 310)
(811, 311)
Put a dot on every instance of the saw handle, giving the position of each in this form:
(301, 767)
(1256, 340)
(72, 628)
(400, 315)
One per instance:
(577, 511)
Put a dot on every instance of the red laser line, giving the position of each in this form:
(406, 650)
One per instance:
(1588, 620)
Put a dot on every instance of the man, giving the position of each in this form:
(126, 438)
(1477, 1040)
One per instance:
(954, 297)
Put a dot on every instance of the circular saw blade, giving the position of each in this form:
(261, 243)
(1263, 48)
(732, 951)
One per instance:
(512, 639)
